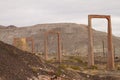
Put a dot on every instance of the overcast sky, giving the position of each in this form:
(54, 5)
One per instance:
(31, 12)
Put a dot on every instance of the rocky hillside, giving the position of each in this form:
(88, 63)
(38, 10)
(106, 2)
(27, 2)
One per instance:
(74, 37)
(16, 64)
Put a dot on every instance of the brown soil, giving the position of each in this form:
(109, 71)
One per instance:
(16, 64)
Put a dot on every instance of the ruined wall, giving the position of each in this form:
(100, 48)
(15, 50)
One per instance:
(22, 44)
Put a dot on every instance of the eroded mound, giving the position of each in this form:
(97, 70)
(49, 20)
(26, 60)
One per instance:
(16, 64)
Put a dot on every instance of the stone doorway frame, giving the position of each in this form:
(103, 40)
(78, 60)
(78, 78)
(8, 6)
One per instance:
(110, 54)
(59, 55)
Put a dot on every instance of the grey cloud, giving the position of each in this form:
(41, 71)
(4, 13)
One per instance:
(29, 12)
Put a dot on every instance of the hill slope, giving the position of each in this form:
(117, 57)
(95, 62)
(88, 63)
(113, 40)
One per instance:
(16, 64)
(74, 37)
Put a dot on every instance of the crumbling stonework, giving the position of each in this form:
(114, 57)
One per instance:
(22, 44)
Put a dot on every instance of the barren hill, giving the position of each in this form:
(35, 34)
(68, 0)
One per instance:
(16, 64)
(74, 37)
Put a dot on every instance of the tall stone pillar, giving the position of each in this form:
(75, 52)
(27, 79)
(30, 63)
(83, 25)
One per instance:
(90, 40)
(59, 48)
(45, 46)
(110, 54)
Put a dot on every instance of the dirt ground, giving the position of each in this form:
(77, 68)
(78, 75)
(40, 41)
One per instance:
(16, 64)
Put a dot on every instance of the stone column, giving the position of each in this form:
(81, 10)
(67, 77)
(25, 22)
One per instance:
(33, 46)
(45, 46)
(110, 54)
(90, 41)
(59, 48)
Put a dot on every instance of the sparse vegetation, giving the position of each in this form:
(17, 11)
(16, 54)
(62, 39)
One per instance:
(23, 64)
(49, 61)
(63, 66)
(94, 67)
(35, 69)
(118, 67)
(75, 67)
(59, 71)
